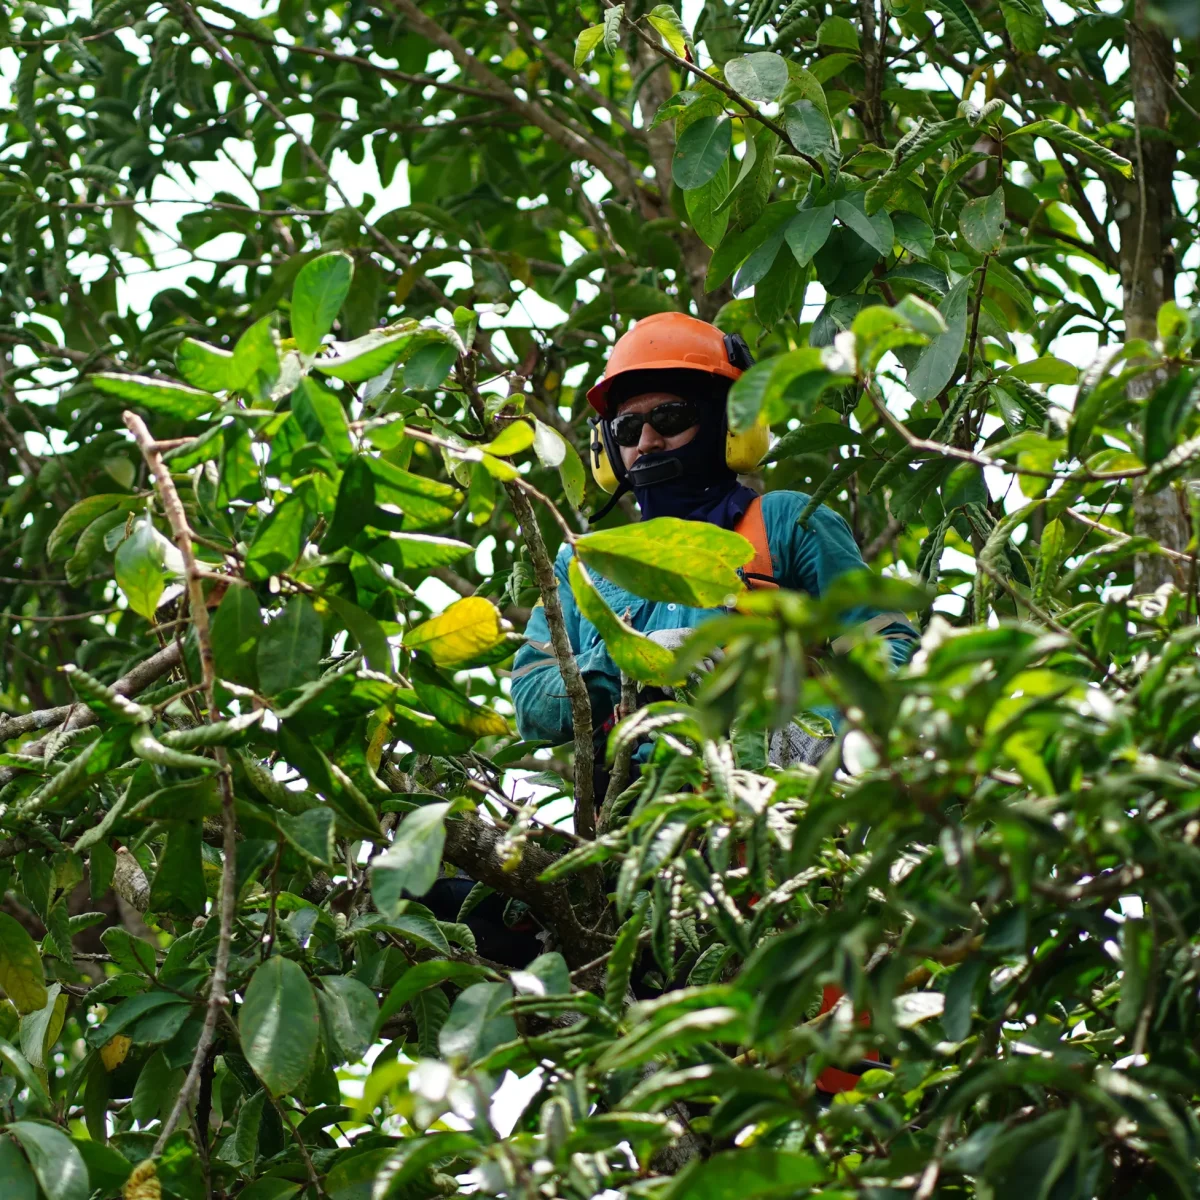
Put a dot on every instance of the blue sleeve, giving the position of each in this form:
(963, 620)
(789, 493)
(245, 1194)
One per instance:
(538, 693)
(812, 556)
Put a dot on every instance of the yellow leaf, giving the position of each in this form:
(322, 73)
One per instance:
(113, 1052)
(465, 630)
(21, 974)
(143, 1182)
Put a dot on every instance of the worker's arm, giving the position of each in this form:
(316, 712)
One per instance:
(812, 556)
(538, 693)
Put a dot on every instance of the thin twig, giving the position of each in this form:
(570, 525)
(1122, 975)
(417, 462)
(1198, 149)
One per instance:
(218, 1001)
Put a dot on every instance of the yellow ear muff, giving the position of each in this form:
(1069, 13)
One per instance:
(602, 471)
(744, 451)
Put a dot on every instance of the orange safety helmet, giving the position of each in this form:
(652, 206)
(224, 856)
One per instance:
(673, 341)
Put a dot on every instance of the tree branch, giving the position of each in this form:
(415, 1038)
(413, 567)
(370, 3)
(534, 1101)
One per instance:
(218, 1001)
(577, 694)
(565, 68)
(614, 166)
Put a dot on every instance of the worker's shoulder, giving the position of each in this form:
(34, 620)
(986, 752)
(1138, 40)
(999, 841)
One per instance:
(562, 560)
(782, 510)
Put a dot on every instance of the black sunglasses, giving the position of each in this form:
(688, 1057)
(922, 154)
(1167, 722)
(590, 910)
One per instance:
(669, 420)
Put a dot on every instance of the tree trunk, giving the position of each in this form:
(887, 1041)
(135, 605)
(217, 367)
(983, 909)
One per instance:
(1148, 262)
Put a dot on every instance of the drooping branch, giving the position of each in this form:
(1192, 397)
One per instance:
(218, 1000)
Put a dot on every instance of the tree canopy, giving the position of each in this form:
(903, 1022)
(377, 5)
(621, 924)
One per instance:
(299, 309)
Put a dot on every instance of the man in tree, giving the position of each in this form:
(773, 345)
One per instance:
(662, 433)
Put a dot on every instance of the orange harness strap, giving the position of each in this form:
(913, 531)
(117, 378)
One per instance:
(832, 1080)
(759, 572)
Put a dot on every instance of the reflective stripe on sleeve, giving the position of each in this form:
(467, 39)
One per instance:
(866, 628)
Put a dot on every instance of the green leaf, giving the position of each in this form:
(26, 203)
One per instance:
(178, 888)
(875, 230)
(355, 505)
(913, 234)
(982, 222)
(317, 297)
(290, 647)
(808, 231)
(705, 205)
(701, 151)
(321, 417)
(624, 953)
(429, 365)
(279, 1025)
(369, 355)
(348, 1009)
(672, 30)
(634, 653)
(1046, 369)
(1137, 961)
(687, 562)
(366, 631)
(21, 974)
(759, 76)
(442, 697)
(311, 832)
(926, 141)
(837, 33)
(1167, 410)
(612, 27)
(476, 1024)
(19, 1180)
(785, 385)
(424, 975)
(413, 1156)
(1026, 23)
(586, 43)
(278, 541)
(939, 360)
(423, 501)
(413, 861)
(256, 360)
(743, 1174)
(77, 518)
(808, 128)
(157, 395)
(1054, 131)
(236, 627)
(205, 366)
(961, 13)
(139, 565)
(468, 628)
(409, 551)
(512, 439)
(55, 1160)
(736, 247)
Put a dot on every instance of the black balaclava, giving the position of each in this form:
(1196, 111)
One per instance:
(692, 482)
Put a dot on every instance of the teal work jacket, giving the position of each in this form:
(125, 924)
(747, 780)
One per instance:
(804, 559)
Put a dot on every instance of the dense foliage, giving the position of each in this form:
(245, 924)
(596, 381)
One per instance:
(246, 741)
